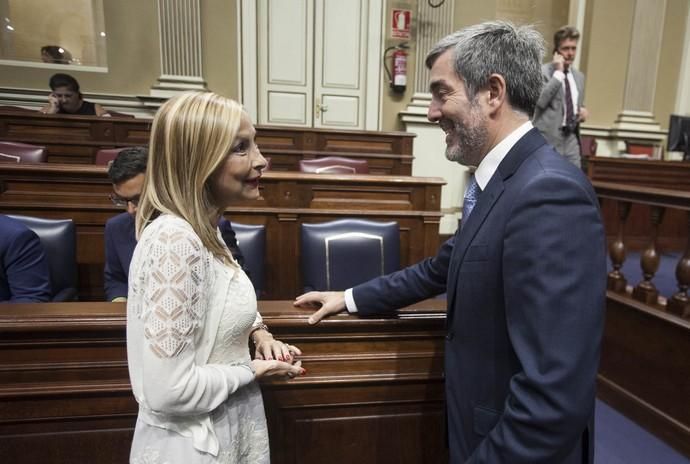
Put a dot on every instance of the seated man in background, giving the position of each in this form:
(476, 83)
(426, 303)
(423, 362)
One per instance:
(127, 175)
(24, 275)
(67, 99)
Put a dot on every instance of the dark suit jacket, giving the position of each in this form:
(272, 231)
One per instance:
(120, 240)
(24, 274)
(525, 278)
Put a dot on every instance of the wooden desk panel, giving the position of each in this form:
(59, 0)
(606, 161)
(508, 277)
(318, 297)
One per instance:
(76, 139)
(288, 200)
(65, 394)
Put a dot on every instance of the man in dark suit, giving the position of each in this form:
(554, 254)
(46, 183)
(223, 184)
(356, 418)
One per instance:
(560, 108)
(127, 175)
(24, 274)
(524, 275)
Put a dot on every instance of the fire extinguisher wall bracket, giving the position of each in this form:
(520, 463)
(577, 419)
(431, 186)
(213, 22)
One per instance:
(398, 80)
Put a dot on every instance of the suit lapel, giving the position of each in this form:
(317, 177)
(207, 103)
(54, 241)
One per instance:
(486, 202)
(580, 83)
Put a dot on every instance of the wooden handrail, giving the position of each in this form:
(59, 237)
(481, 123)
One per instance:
(651, 196)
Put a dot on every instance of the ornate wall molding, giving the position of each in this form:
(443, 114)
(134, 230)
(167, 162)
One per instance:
(180, 46)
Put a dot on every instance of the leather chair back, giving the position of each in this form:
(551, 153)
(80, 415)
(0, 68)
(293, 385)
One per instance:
(339, 254)
(251, 240)
(105, 156)
(15, 152)
(59, 240)
(588, 145)
(634, 148)
(334, 165)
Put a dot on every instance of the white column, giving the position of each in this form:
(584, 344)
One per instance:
(576, 17)
(429, 146)
(180, 46)
(636, 119)
(683, 99)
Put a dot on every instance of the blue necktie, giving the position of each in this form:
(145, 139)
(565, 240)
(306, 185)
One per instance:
(470, 198)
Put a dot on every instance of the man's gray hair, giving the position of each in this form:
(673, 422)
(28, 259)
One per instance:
(497, 47)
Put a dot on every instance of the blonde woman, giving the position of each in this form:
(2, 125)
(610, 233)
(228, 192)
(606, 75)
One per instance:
(190, 308)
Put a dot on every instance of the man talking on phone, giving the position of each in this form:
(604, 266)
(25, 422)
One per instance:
(560, 109)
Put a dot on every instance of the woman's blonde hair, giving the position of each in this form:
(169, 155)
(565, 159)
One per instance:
(191, 135)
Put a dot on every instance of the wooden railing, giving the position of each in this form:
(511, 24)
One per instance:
(658, 202)
(65, 395)
(645, 367)
(673, 175)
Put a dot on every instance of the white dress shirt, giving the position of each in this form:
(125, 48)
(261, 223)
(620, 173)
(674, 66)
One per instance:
(561, 76)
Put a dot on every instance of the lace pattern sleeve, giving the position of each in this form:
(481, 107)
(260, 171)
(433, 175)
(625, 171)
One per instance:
(259, 322)
(173, 295)
(171, 280)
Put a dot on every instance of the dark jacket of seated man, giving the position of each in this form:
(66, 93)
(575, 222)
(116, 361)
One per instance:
(24, 274)
(120, 240)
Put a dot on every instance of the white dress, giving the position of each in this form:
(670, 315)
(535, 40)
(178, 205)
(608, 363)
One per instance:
(189, 359)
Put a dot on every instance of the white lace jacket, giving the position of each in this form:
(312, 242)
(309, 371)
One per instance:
(174, 304)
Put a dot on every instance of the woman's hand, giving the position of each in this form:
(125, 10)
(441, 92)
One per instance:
(273, 368)
(269, 348)
(53, 104)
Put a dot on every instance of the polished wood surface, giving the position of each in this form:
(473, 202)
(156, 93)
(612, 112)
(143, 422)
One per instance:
(673, 175)
(634, 215)
(372, 384)
(76, 139)
(645, 371)
(645, 174)
(645, 368)
(288, 199)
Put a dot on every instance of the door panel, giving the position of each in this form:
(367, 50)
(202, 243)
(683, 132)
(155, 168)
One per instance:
(340, 32)
(287, 108)
(340, 54)
(313, 59)
(286, 65)
(342, 111)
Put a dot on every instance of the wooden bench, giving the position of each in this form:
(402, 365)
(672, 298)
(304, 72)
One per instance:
(288, 199)
(76, 139)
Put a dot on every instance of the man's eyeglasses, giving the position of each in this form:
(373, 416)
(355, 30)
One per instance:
(119, 201)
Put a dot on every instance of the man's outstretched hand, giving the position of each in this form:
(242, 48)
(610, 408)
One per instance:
(329, 303)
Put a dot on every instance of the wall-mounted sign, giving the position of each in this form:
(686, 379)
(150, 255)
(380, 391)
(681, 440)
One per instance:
(400, 24)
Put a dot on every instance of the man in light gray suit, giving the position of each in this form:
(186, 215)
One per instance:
(560, 109)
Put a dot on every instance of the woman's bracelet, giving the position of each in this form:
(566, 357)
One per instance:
(261, 326)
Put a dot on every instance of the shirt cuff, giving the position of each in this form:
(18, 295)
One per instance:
(350, 301)
(560, 75)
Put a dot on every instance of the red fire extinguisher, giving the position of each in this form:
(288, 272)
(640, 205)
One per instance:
(399, 71)
(397, 81)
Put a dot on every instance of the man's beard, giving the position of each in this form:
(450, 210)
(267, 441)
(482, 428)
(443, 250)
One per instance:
(471, 138)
